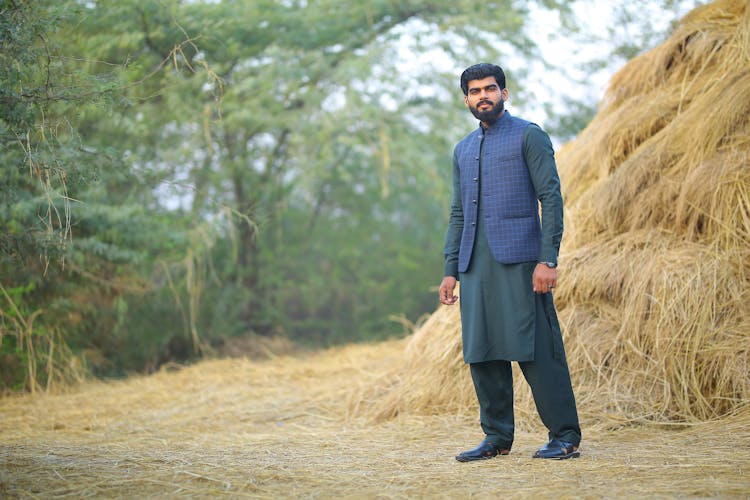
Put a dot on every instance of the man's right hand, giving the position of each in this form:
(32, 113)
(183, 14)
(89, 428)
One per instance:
(446, 291)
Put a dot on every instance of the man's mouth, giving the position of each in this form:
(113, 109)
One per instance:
(484, 104)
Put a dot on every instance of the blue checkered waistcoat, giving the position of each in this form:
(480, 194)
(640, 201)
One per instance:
(509, 202)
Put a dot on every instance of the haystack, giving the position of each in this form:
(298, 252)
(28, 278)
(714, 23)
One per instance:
(655, 262)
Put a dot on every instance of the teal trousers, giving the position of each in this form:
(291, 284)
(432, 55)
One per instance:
(547, 375)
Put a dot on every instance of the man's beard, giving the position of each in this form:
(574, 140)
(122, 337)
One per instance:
(488, 115)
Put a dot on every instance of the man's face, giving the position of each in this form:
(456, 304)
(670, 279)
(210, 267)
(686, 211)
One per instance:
(486, 99)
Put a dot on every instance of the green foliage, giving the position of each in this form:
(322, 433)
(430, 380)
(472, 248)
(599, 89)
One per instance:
(72, 238)
(291, 138)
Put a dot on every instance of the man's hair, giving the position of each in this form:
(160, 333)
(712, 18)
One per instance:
(480, 72)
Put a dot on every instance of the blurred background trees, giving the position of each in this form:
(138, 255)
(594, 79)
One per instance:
(177, 173)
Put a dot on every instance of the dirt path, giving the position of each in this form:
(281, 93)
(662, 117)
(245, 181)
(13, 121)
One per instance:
(279, 429)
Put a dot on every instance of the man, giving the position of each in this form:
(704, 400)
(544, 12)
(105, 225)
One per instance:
(506, 260)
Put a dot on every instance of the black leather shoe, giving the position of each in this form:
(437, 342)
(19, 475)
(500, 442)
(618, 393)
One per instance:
(558, 450)
(484, 451)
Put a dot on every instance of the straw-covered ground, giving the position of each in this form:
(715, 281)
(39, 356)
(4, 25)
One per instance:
(285, 428)
(653, 299)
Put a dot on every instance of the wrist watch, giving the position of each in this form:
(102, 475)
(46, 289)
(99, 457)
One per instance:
(551, 265)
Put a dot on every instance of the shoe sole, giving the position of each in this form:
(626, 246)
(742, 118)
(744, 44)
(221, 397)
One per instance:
(474, 459)
(574, 454)
(501, 453)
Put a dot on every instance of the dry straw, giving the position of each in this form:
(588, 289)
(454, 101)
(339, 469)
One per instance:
(655, 264)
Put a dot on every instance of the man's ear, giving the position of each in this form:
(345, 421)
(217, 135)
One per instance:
(466, 100)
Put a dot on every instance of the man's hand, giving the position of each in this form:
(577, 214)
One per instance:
(544, 279)
(446, 291)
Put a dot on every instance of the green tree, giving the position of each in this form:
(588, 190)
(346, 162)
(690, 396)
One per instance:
(274, 110)
(73, 235)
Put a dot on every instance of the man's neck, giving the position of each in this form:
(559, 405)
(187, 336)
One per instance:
(486, 125)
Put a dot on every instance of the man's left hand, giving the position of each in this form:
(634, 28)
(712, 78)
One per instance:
(544, 278)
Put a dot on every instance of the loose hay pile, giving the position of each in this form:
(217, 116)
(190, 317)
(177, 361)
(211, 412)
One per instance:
(655, 264)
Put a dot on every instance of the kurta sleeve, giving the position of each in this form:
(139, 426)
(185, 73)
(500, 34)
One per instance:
(455, 224)
(540, 159)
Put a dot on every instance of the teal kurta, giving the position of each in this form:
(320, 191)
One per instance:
(497, 307)
(498, 304)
